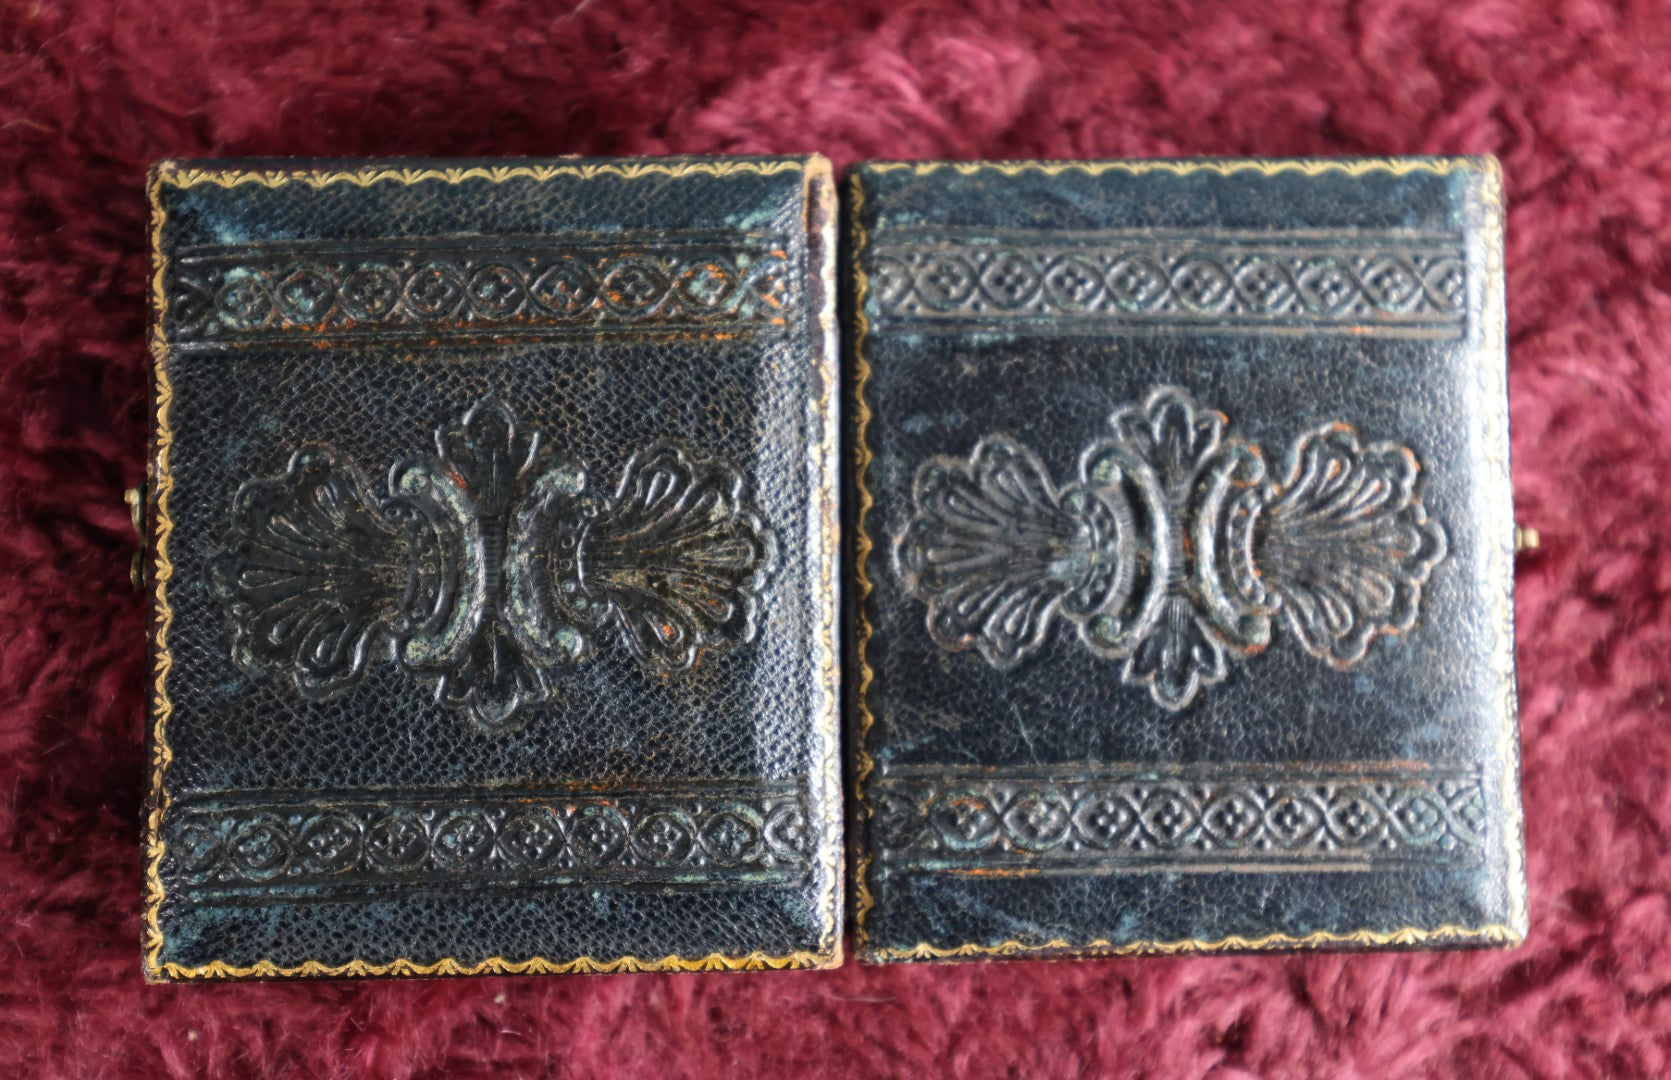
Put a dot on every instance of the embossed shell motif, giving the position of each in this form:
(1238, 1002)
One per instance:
(1170, 551)
(489, 568)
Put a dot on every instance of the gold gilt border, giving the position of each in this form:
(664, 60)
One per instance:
(185, 176)
(1491, 369)
(818, 184)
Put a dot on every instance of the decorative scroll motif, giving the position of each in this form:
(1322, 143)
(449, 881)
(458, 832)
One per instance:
(339, 294)
(1345, 815)
(1170, 550)
(490, 567)
(1219, 282)
(372, 843)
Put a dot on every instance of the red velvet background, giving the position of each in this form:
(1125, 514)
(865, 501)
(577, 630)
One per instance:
(1574, 96)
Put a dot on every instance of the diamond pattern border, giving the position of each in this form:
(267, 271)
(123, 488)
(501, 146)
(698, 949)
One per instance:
(1088, 819)
(343, 843)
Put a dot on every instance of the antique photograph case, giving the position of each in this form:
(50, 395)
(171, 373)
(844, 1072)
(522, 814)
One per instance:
(1184, 557)
(492, 521)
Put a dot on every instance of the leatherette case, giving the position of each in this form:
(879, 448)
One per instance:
(1183, 558)
(493, 562)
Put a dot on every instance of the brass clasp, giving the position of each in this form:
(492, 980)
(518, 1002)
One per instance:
(135, 498)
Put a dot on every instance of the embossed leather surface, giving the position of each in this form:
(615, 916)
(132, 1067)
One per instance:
(1184, 558)
(493, 557)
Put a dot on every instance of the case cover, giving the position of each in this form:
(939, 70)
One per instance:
(492, 523)
(1184, 551)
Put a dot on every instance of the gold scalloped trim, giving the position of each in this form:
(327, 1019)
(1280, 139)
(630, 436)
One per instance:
(162, 485)
(1493, 363)
(1187, 166)
(864, 764)
(187, 176)
(155, 968)
(1409, 937)
(498, 965)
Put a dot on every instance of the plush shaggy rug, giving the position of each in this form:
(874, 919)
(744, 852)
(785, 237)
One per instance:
(1573, 95)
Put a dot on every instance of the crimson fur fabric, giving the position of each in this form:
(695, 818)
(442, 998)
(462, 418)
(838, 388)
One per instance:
(1574, 96)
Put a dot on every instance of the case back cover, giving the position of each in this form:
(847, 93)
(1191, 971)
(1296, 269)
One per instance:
(1184, 558)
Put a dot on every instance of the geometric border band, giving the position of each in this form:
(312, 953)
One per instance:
(1392, 283)
(1079, 820)
(370, 845)
(469, 289)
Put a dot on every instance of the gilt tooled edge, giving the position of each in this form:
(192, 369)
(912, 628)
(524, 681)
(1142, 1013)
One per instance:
(161, 525)
(1490, 285)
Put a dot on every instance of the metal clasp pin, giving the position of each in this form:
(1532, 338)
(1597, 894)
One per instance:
(135, 498)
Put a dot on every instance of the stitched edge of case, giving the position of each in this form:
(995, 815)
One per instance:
(815, 168)
(1491, 366)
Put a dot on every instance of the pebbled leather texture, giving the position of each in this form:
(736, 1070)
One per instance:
(494, 562)
(1184, 603)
